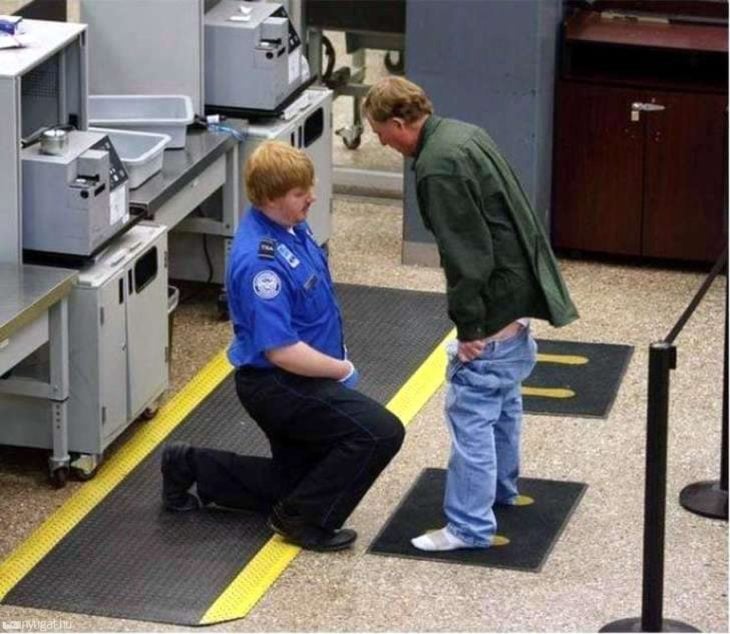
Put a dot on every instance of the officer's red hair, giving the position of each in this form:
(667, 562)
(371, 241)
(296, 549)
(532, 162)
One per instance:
(274, 169)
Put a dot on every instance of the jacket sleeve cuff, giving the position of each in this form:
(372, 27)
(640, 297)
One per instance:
(470, 332)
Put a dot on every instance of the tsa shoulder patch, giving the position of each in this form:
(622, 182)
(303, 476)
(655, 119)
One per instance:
(267, 284)
(267, 249)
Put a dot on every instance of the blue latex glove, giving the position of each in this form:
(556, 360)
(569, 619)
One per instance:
(352, 378)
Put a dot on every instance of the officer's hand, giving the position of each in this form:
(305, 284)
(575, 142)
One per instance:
(470, 350)
(351, 379)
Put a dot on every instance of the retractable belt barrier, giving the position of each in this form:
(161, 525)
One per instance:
(663, 359)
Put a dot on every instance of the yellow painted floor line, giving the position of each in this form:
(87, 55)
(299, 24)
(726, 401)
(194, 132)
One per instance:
(422, 384)
(110, 474)
(547, 392)
(258, 575)
(565, 359)
(252, 582)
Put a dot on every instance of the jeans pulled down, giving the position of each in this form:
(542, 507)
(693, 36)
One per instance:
(484, 414)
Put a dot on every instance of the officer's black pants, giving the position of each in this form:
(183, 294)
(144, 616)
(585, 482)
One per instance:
(328, 445)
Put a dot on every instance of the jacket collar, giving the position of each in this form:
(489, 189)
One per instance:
(426, 131)
(276, 229)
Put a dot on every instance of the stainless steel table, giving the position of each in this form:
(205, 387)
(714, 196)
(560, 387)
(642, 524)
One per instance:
(33, 311)
(188, 177)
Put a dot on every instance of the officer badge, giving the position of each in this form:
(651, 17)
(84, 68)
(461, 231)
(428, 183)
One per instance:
(290, 258)
(267, 284)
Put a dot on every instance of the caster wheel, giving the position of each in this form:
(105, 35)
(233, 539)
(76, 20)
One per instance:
(352, 144)
(351, 136)
(396, 67)
(59, 477)
(84, 476)
(150, 412)
(85, 466)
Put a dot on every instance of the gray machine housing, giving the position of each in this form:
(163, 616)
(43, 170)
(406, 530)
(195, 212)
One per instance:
(253, 56)
(118, 349)
(193, 255)
(148, 47)
(40, 85)
(75, 201)
(145, 47)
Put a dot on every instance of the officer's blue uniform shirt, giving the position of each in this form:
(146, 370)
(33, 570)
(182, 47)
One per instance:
(279, 292)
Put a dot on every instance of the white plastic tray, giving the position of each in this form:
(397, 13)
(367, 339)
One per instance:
(161, 114)
(141, 152)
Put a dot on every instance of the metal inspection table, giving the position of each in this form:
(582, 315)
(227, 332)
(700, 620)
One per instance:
(188, 177)
(33, 311)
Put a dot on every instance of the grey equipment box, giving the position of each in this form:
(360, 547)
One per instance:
(153, 47)
(253, 57)
(118, 354)
(146, 47)
(193, 255)
(75, 201)
(40, 85)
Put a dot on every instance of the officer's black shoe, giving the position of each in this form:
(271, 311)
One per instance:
(177, 478)
(294, 529)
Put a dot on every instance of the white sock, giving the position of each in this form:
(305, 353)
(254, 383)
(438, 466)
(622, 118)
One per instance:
(438, 540)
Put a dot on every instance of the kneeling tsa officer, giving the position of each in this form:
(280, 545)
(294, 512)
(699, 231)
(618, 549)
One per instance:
(328, 442)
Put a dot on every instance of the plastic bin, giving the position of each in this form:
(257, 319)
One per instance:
(173, 299)
(141, 152)
(160, 114)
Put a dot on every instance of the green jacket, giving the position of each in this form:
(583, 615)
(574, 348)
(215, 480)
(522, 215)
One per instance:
(498, 263)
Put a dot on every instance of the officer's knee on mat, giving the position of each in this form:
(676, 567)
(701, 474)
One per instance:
(176, 461)
(399, 436)
(397, 433)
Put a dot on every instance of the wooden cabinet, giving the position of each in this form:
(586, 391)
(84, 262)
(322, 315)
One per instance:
(685, 169)
(598, 171)
(640, 164)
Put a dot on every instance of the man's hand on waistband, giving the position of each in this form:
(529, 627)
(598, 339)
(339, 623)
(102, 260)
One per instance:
(470, 350)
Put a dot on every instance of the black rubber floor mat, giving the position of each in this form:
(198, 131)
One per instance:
(129, 559)
(532, 530)
(581, 379)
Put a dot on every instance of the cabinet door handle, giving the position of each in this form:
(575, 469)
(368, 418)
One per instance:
(648, 107)
(639, 106)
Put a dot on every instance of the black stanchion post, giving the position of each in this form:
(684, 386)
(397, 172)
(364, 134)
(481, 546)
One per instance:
(709, 498)
(662, 359)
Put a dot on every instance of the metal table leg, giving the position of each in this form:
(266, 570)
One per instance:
(58, 366)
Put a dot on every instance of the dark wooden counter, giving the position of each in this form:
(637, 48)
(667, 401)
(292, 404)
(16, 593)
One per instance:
(592, 27)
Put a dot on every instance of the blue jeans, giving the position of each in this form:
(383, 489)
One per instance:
(484, 413)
